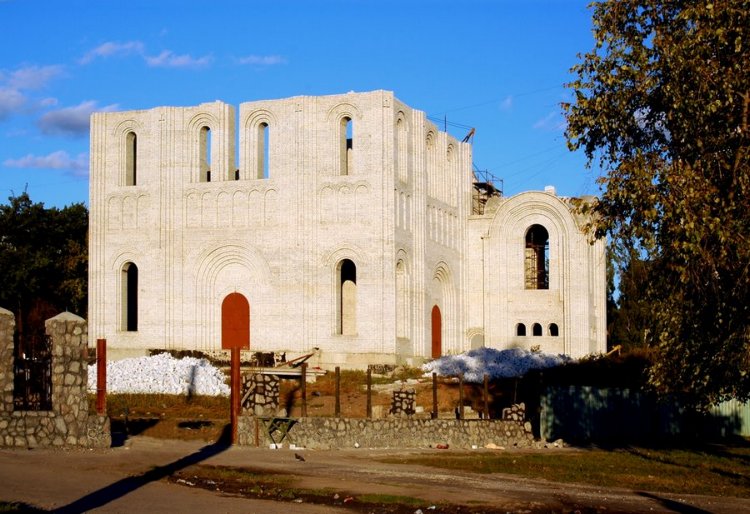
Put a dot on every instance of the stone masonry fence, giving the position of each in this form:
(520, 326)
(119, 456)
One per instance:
(263, 423)
(68, 422)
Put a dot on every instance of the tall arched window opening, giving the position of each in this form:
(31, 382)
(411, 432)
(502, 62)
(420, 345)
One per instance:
(346, 315)
(536, 258)
(131, 158)
(205, 154)
(521, 329)
(553, 330)
(129, 300)
(346, 146)
(536, 329)
(263, 153)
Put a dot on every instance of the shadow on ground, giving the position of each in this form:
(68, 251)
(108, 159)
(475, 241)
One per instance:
(127, 485)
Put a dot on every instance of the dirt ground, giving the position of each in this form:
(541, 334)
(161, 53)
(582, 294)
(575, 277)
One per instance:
(157, 475)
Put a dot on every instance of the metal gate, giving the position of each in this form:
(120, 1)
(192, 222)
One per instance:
(32, 385)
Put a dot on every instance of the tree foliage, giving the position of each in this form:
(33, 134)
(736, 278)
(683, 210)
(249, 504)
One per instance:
(661, 104)
(44, 263)
(629, 321)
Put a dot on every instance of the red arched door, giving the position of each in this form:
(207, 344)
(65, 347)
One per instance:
(235, 322)
(437, 333)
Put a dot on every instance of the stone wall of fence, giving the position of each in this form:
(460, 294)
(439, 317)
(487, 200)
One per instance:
(68, 422)
(261, 415)
(393, 432)
(260, 394)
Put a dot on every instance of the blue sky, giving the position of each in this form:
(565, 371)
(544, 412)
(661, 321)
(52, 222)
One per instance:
(498, 66)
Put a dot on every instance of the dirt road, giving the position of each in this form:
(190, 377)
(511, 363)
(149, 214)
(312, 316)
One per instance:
(131, 478)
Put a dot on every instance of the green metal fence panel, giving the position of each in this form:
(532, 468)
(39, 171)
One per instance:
(591, 414)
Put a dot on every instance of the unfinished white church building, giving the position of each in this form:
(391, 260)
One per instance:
(350, 225)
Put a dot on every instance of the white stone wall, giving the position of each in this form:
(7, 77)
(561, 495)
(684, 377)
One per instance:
(403, 204)
(575, 300)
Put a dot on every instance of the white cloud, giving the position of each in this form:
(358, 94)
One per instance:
(168, 59)
(11, 100)
(113, 48)
(262, 60)
(60, 160)
(552, 121)
(33, 77)
(71, 121)
(506, 103)
(14, 84)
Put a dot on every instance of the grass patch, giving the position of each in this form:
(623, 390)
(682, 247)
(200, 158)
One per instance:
(717, 471)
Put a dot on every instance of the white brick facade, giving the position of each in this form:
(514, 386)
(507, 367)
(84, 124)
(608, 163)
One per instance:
(342, 247)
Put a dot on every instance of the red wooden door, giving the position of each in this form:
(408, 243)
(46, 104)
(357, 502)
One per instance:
(235, 322)
(437, 333)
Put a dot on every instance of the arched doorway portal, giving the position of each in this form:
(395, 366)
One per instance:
(235, 322)
(437, 333)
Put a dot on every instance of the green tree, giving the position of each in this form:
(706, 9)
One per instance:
(44, 263)
(631, 326)
(661, 104)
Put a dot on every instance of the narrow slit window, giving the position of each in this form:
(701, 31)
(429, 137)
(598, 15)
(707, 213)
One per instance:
(129, 287)
(131, 159)
(346, 145)
(263, 151)
(205, 154)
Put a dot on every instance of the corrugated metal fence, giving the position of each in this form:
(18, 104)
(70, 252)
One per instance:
(591, 414)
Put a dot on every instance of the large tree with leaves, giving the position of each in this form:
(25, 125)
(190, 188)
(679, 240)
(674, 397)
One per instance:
(662, 104)
(43, 263)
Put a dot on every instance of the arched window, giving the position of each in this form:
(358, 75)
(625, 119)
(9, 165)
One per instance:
(346, 301)
(346, 146)
(520, 329)
(553, 330)
(536, 329)
(263, 170)
(536, 258)
(205, 154)
(129, 300)
(131, 158)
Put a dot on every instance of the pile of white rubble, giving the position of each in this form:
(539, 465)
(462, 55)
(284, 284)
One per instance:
(474, 364)
(162, 374)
